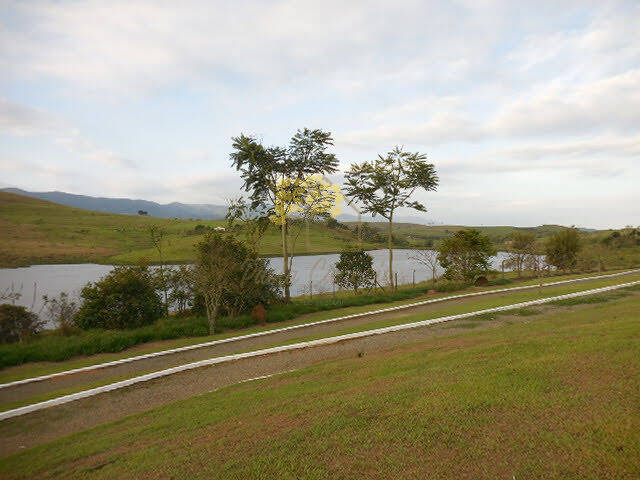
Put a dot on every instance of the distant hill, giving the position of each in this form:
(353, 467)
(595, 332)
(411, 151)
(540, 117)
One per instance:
(128, 205)
(35, 231)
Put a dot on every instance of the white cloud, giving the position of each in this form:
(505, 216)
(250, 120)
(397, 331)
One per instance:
(25, 121)
(21, 120)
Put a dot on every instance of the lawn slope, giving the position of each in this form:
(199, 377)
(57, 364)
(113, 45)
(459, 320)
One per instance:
(554, 398)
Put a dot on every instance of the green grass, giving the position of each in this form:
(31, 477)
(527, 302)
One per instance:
(34, 231)
(56, 353)
(605, 297)
(554, 399)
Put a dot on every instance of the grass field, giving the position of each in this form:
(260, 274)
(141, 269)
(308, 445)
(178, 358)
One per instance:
(34, 231)
(554, 398)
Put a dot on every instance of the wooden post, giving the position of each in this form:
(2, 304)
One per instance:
(414, 279)
(396, 281)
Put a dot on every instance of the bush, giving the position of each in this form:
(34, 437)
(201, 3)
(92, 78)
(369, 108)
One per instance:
(125, 298)
(61, 311)
(465, 256)
(444, 287)
(17, 324)
(48, 347)
(562, 249)
(355, 270)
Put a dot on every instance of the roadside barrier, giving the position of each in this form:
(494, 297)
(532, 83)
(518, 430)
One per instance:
(296, 346)
(303, 325)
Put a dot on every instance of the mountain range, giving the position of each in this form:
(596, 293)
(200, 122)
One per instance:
(202, 211)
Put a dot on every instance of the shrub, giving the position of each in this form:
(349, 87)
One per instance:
(465, 255)
(355, 270)
(562, 249)
(125, 298)
(17, 324)
(450, 286)
(61, 311)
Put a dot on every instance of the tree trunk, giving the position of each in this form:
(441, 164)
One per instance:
(285, 261)
(390, 241)
(212, 313)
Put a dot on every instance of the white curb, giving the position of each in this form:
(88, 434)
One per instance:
(296, 346)
(302, 325)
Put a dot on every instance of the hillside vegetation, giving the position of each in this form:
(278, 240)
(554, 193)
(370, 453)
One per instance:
(34, 231)
(414, 235)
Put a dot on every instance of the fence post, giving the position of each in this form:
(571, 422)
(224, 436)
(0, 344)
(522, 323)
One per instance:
(396, 281)
(414, 279)
(310, 289)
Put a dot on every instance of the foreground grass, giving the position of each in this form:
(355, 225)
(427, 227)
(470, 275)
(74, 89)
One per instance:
(556, 398)
(94, 343)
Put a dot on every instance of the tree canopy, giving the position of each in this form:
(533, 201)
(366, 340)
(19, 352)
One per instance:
(465, 255)
(388, 183)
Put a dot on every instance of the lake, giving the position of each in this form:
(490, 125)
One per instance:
(308, 270)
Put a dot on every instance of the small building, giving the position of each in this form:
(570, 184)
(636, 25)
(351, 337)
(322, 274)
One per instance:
(220, 229)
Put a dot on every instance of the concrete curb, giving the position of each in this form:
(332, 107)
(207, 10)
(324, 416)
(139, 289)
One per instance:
(302, 325)
(296, 346)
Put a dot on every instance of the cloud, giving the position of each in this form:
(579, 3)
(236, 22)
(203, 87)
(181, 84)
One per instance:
(25, 121)
(140, 44)
(610, 104)
(498, 93)
(21, 120)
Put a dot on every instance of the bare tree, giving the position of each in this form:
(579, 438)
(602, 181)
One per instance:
(523, 246)
(428, 258)
(157, 235)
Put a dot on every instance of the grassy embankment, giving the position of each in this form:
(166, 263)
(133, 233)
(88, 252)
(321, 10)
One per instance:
(554, 398)
(34, 231)
(480, 321)
(55, 353)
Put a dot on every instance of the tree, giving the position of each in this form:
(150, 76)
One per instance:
(17, 324)
(273, 175)
(562, 249)
(523, 245)
(142, 212)
(231, 277)
(61, 311)
(253, 224)
(465, 255)
(387, 183)
(355, 270)
(428, 258)
(124, 298)
(157, 235)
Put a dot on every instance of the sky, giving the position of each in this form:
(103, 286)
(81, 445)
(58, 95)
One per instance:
(530, 111)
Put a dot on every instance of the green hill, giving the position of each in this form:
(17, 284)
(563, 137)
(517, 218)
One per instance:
(34, 231)
(414, 235)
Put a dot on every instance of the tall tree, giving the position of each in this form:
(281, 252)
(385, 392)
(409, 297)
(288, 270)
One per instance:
(272, 175)
(388, 183)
